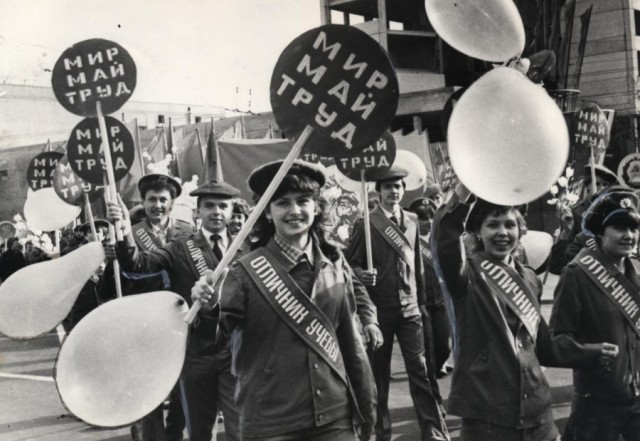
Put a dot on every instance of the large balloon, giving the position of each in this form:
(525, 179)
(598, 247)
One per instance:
(537, 245)
(508, 140)
(36, 298)
(123, 358)
(45, 211)
(409, 161)
(490, 30)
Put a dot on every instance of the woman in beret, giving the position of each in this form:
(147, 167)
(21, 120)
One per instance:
(302, 371)
(498, 387)
(597, 300)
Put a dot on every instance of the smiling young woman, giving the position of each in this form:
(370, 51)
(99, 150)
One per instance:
(498, 387)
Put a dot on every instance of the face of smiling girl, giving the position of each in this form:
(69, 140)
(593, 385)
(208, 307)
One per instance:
(499, 234)
(293, 214)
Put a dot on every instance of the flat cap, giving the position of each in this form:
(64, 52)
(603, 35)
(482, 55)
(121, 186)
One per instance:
(216, 188)
(602, 171)
(153, 179)
(262, 176)
(395, 172)
(422, 202)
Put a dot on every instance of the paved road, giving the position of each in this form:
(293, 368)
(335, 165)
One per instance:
(30, 408)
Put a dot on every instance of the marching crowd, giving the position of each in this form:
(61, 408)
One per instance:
(295, 341)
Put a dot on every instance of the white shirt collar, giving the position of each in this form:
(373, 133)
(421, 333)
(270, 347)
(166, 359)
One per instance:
(224, 238)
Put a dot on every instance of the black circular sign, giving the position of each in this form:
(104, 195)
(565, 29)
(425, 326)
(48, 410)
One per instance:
(83, 149)
(41, 169)
(375, 160)
(338, 80)
(70, 187)
(91, 71)
(7, 230)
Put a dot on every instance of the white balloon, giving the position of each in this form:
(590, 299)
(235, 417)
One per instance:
(45, 211)
(538, 245)
(490, 30)
(413, 164)
(508, 140)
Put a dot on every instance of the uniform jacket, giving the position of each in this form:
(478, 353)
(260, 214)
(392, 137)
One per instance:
(147, 240)
(397, 284)
(498, 378)
(582, 314)
(174, 257)
(282, 384)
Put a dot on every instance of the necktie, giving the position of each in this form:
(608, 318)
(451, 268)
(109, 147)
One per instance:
(394, 219)
(217, 251)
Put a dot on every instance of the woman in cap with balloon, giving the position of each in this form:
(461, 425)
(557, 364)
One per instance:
(596, 301)
(302, 371)
(498, 387)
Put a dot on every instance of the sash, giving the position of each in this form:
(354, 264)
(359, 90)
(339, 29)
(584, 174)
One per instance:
(618, 289)
(144, 240)
(197, 257)
(509, 285)
(425, 251)
(393, 236)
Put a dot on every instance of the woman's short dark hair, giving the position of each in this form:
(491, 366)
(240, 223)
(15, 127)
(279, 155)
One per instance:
(160, 186)
(482, 209)
(263, 230)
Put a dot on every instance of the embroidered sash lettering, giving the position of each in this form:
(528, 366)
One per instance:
(197, 257)
(503, 280)
(393, 236)
(617, 288)
(145, 240)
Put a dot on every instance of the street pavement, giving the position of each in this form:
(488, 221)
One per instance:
(30, 408)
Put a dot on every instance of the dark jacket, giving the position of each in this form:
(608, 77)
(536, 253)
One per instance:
(498, 378)
(175, 258)
(397, 283)
(282, 384)
(583, 314)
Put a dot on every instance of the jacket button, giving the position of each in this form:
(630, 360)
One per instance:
(521, 420)
(519, 344)
(267, 371)
(320, 417)
(318, 392)
(525, 396)
(315, 366)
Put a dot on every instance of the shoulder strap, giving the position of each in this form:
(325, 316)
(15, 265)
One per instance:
(197, 257)
(393, 236)
(617, 288)
(143, 239)
(509, 285)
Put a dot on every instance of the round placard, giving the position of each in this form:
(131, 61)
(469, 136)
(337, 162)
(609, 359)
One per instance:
(591, 129)
(338, 80)
(83, 149)
(70, 187)
(375, 160)
(41, 169)
(629, 170)
(91, 71)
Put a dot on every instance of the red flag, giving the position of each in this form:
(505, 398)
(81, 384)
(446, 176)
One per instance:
(128, 186)
(157, 148)
(213, 168)
(189, 158)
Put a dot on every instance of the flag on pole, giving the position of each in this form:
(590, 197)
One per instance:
(189, 158)
(157, 147)
(128, 186)
(213, 169)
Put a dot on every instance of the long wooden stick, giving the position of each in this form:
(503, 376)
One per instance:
(259, 208)
(593, 173)
(367, 225)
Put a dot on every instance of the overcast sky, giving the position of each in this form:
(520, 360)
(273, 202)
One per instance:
(186, 51)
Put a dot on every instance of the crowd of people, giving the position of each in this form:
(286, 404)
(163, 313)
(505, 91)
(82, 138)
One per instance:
(295, 341)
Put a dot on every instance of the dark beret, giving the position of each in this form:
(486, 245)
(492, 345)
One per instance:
(617, 201)
(216, 188)
(148, 181)
(262, 176)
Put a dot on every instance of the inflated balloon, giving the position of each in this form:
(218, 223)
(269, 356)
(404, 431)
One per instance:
(45, 211)
(135, 366)
(508, 140)
(34, 299)
(409, 161)
(538, 245)
(490, 30)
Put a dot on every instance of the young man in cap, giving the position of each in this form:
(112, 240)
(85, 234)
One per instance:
(595, 323)
(158, 193)
(396, 286)
(206, 374)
